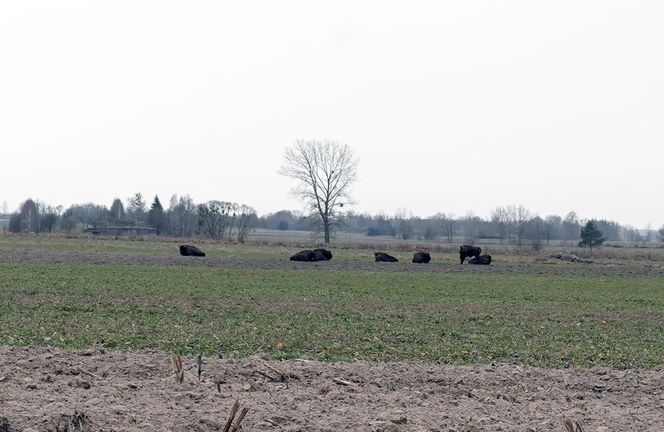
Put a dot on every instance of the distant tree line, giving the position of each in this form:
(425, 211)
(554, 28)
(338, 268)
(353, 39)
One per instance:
(511, 224)
(229, 221)
(220, 220)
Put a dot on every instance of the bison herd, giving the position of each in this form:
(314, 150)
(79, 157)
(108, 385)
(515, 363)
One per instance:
(308, 255)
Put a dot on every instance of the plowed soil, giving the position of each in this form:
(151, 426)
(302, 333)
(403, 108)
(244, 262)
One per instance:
(50, 390)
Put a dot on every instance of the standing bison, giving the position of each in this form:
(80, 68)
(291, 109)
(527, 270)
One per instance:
(188, 250)
(312, 255)
(466, 251)
(383, 257)
(421, 257)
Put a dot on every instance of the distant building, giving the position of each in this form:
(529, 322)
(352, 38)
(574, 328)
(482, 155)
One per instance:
(121, 231)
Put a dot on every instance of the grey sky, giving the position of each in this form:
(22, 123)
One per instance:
(451, 106)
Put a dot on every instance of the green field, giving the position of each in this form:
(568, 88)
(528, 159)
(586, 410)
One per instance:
(540, 319)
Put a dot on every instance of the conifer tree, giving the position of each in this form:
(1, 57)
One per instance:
(156, 215)
(591, 235)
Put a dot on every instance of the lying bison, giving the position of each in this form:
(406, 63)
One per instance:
(188, 250)
(312, 255)
(421, 257)
(327, 255)
(383, 257)
(481, 260)
(466, 251)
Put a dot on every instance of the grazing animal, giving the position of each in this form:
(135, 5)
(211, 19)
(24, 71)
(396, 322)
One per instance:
(421, 257)
(466, 251)
(188, 250)
(312, 255)
(481, 260)
(383, 257)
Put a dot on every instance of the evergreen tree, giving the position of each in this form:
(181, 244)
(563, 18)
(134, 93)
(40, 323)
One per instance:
(15, 223)
(591, 235)
(156, 215)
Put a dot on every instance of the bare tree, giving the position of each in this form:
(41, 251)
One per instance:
(49, 216)
(117, 211)
(181, 216)
(470, 227)
(403, 227)
(571, 225)
(449, 222)
(514, 218)
(650, 235)
(136, 207)
(552, 227)
(325, 172)
(211, 217)
(246, 222)
(501, 218)
(29, 214)
(523, 215)
(232, 214)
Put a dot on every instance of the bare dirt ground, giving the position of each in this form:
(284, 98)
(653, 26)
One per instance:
(50, 390)
(554, 267)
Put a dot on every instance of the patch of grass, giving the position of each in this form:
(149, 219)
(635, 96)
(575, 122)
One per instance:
(540, 320)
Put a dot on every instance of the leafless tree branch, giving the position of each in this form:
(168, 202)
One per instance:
(324, 171)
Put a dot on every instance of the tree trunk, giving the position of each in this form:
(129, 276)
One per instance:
(326, 230)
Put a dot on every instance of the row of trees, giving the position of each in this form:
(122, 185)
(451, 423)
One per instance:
(524, 229)
(223, 220)
(220, 220)
(324, 172)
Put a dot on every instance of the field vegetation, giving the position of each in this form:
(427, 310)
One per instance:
(548, 319)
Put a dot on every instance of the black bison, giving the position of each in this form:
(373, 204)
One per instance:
(326, 254)
(383, 257)
(312, 255)
(421, 257)
(481, 260)
(188, 250)
(466, 251)
(304, 255)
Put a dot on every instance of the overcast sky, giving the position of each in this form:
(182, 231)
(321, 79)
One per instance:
(457, 106)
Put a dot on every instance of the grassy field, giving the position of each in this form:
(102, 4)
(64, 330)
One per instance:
(542, 320)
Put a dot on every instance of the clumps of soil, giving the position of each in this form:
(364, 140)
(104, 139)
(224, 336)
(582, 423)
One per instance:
(64, 423)
(135, 391)
(57, 423)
